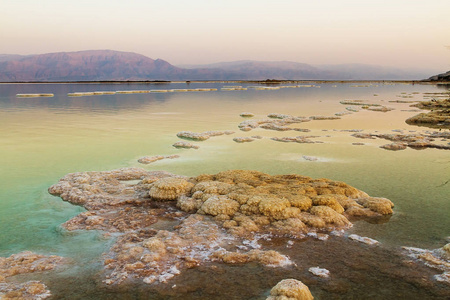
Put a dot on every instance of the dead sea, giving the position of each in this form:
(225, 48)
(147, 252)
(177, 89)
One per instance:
(43, 139)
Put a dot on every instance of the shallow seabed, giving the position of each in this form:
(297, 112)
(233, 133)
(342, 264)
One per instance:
(42, 139)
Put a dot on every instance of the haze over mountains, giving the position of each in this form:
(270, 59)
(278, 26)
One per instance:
(104, 65)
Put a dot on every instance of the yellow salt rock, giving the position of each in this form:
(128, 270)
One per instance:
(290, 289)
(301, 201)
(169, 188)
(328, 200)
(380, 205)
(272, 206)
(329, 215)
(218, 205)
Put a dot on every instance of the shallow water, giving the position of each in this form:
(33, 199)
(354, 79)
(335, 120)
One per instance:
(42, 139)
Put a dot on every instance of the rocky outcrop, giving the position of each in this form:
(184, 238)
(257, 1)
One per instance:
(438, 117)
(440, 77)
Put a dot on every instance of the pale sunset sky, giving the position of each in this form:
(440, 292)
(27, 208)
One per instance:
(399, 33)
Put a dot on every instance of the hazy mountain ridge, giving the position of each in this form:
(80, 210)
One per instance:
(97, 65)
(440, 77)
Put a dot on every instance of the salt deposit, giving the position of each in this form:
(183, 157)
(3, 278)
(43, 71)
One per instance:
(324, 273)
(34, 95)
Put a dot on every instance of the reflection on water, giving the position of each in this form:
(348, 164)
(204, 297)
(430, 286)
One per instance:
(42, 139)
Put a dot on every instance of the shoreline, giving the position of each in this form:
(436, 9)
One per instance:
(271, 82)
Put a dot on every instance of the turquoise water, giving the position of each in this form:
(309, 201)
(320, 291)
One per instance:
(42, 139)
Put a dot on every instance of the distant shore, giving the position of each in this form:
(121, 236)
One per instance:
(270, 81)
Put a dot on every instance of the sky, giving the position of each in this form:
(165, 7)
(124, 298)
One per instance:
(399, 33)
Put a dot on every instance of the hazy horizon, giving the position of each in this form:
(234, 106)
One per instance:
(403, 34)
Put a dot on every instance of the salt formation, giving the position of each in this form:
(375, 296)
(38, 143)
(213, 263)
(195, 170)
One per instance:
(102, 193)
(358, 102)
(185, 145)
(34, 95)
(201, 136)
(243, 139)
(363, 239)
(297, 139)
(395, 146)
(438, 117)
(275, 122)
(414, 141)
(217, 217)
(290, 289)
(149, 159)
(169, 188)
(159, 256)
(133, 92)
(251, 201)
(324, 273)
(80, 94)
(25, 263)
(437, 259)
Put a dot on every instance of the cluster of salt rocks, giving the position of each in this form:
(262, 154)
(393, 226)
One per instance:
(415, 141)
(215, 215)
(25, 263)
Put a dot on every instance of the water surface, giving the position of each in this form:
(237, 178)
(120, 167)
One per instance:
(42, 139)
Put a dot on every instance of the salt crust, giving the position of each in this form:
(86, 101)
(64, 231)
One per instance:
(437, 259)
(324, 273)
(23, 263)
(363, 239)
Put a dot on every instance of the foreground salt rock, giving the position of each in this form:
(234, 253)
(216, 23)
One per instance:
(24, 263)
(251, 201)
(437, 259)
(215, 217)
(158, 256)
(290, 289)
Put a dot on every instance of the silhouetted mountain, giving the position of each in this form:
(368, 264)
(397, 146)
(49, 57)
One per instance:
(440, 77)
(98, 65)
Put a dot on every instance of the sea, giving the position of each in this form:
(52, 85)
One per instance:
(44, 138)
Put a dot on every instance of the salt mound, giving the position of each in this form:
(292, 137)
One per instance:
(251, 201)
(290, 289)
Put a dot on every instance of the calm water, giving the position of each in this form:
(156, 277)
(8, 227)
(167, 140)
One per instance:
(42, 139)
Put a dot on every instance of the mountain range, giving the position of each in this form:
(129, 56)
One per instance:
(106, 65)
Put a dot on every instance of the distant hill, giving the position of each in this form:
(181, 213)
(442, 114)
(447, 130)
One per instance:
(293, 70)
(103, 65)
(260, 70)
(85, 65)
(440, 77)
